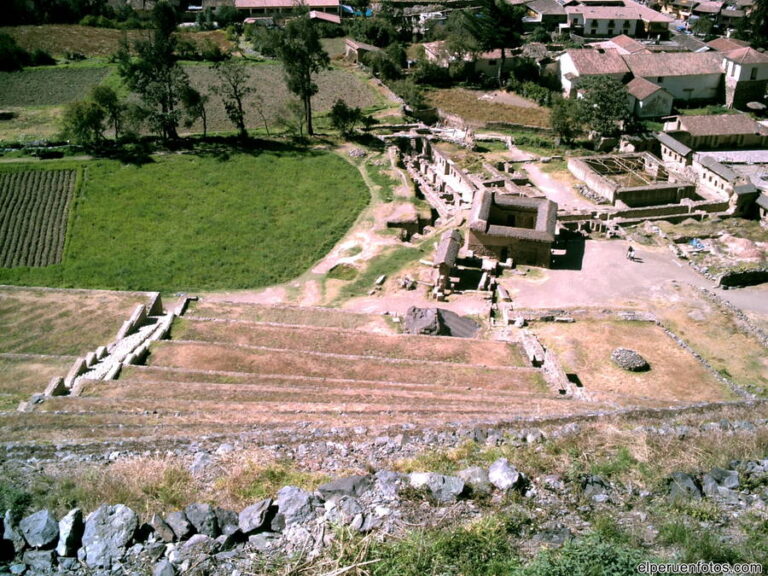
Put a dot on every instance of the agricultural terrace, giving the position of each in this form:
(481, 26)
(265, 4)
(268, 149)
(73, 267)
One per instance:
(33, 216)
(204, 222)
(478, 107)
(42, 331)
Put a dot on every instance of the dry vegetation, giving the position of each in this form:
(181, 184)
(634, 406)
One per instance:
(465, 103)
(584, 348)
(58, 40)
(24, 376)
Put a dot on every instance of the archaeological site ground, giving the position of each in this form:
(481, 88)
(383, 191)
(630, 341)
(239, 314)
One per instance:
(447, 337)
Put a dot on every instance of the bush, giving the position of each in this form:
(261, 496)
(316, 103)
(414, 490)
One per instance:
(587, 556)
(41, 58)
(12, 56)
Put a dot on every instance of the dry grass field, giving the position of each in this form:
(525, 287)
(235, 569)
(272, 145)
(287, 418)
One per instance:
(585, 347)
(42, 331)
(58, 40)
(466, 103)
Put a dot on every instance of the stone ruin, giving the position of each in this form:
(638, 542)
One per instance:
(629, 360)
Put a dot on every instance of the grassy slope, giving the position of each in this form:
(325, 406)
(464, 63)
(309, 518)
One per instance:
(186, 222)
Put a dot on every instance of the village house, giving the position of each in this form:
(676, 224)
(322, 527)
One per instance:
(504, 226)
(746, 76)
(687, 77)
(718, 132)
(606, 18)
(548, 14)
(354, 50)
(581, 63)
(648, 100)
(622, 44)
(284, 8)
(484, 63)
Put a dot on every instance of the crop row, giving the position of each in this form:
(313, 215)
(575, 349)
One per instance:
(33, 216)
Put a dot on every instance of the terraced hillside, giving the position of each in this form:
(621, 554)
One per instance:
(230, 368)
(42, 331)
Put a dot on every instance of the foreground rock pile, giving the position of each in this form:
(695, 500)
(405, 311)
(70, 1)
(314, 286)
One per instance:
(194, 540)
(629, 360)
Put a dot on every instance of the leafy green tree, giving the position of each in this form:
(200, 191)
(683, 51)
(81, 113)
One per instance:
(12, 56)
(754, 28)
(495, 25)
(302, 56)
(233, 88)
(194, 103)
(108, 100)
(566, 119)
(83, 123)
(155, 74)
(227, 16)
(603, 106)
(344, 117)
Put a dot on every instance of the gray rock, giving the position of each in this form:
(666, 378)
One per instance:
(263, 541)
(386, 485)
(682, 486)
(12, 534)
(163, 568)
(343, 510)
(438, 322)
(593, 486)
(40, 529)
(200, 464)
(17, 569)
(108, 532)
(254, 516)
(161, 528)
(228, 521)
(443, 488)
(68, 564)
(725, 478)
(40, 561)
(504, 476)
(630, 360)
(476, 478)
(349, 486)
(71, 529)
(203, 518)
(294, 505)
(180, 524)
(553, 536)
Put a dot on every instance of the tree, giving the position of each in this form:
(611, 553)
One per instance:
(194, 103)
(604, 106)
(12, 56)
(233, 88)
(83, 122)
(565, 119)
(344, 117)
(755, 26)
(302, 56)
(155, 74)
(109, 101)
(496, 25)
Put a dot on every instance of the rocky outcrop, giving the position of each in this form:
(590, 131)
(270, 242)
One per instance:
(629, 360)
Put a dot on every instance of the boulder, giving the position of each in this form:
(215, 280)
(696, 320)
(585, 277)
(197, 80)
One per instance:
(163, 568)
(725, 478)
(12, 534)
(386, 485)
(180, 524)
(349, 486)
(438, 322)
(344, 510)
(40, 561)
(593, 486)
(228, 521)
(629, 360)
(682, 486)
(476, 478)
(40, 529)
(203, 518)
(161, 528)
(443, 488)
(504, 476)
(294, 506)
(71, 529)
(254, 516)
(108, 532)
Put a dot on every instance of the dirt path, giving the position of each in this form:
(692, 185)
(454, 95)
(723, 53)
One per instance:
(561, 192)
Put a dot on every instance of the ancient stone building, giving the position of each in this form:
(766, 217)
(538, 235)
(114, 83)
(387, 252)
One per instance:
(505, 226)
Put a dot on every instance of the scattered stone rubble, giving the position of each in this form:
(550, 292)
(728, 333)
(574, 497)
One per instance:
(205, 540)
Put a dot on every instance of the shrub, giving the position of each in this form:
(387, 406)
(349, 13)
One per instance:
(12, 56)
(587, 556)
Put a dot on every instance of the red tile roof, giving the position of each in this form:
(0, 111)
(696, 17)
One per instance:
(721, 125)
(746, 56)
(597, 62)
(641, 88)
(674, 64)
(726, 44)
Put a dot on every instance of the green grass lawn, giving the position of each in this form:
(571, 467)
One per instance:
(201, 222)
